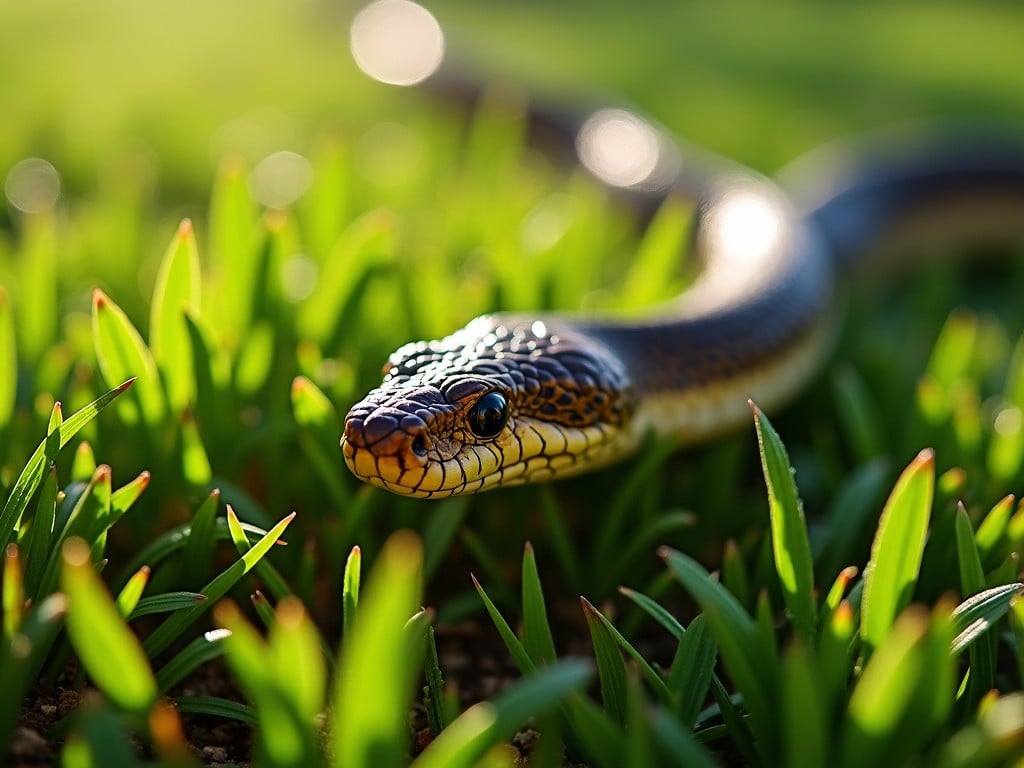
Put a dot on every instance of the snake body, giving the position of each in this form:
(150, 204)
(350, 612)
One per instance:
(514, 398)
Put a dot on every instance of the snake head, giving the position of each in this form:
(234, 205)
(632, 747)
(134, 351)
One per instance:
(504, 400)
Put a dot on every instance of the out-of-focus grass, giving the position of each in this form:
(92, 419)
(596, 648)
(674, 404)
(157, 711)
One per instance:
(254, 326)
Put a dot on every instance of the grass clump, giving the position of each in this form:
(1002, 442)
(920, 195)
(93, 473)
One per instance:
(871, 616)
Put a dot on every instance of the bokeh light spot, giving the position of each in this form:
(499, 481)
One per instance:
(33, 185)
(397, 42)
(299, 274)
(618, 147)
(280, 179)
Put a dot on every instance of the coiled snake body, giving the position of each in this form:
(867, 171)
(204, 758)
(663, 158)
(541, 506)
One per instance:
(516, 398)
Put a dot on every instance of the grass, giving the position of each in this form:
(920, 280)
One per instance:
(865, 610)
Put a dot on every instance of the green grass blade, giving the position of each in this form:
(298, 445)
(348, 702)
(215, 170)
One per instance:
(972, 581)
(266, 572)
(8, 360)
(602, 631)
(176, 292)
(679, 744)
(611, 669)
(692, 670)
(805, 740)
(195, 463)
(204, 648)
(487, 724)
(176, 623)
(433, 689)
(858, 414)
(217, 707)
(313, 410)
(21, 659)
(656, 611)
(121, 354)
(514, 645)
(369, 240)
(350, 590)
(752, 667)
(734, 574)
(537, 639)
(1016, 611)
(233, 221)
(129, 596)
(992, 531)
(371, 698)
(904, 692)
(12, 598)
(32, 475)
(298, 664)
(978, 613)
(897, 549)
(790, 544)
(439, 530)
(844, 534)
(654, 269)
(166, 602)
(109, 651)
(99, 738)
(83, 464)
(198, 553)
(737, 726)
(39, 547)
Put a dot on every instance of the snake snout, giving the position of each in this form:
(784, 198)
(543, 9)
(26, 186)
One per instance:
(387, 433)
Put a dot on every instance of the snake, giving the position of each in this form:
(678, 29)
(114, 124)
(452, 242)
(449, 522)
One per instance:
(516, 398)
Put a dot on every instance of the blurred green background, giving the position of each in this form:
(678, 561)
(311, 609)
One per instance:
(171, 87)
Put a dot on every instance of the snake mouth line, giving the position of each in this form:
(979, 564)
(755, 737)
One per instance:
(482, 467)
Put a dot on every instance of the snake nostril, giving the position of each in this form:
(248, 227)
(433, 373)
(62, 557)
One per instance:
(419, 445)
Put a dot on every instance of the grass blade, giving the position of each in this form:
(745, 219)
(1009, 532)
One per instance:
(514, 645)
(109, 651)
(8, 360)
(611, 669)
(806, 737)
(176, 292)
(897, 549)
(298, 664)
(198, 554)
(12, 597)
(39, 547)
(692, 670)
(175, 624)
(679, 744)
(122, 353)
(605, 630)
(487, 724)
(979, 612)
(204, 648)
(754, 670)
(371, 698)
(537, 637)
(129, 596)
(216, 706)
(972, 581)
(350, 590)
(32, 475)
(790, 544)
(20, 660)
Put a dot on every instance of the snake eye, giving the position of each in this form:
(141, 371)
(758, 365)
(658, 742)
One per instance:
(489, 415)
